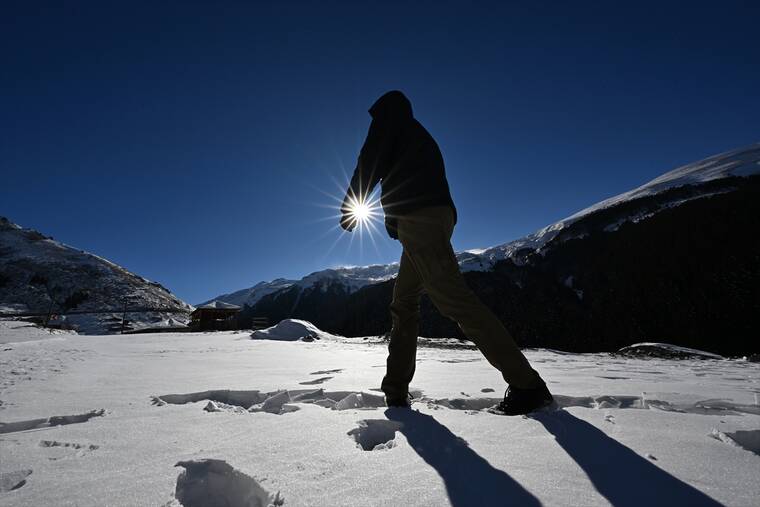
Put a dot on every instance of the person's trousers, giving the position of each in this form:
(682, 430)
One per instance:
(428, 264)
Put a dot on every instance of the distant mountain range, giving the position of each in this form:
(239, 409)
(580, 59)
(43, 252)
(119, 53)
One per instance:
(674, 260)
(41, 275)
(352, 278)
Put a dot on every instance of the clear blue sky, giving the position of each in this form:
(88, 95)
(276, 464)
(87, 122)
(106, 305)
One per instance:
(191, 141)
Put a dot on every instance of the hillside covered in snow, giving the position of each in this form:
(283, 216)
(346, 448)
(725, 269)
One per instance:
(669, 190)
(40, 275)
(670, 260)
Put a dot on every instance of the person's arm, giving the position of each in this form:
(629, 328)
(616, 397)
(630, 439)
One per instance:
(370, 169)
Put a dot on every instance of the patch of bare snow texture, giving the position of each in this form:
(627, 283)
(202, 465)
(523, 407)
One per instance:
(10, 481)
(375, 434)
(214, 483)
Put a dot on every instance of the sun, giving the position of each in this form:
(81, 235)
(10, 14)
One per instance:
(360, 211)
(359, 216)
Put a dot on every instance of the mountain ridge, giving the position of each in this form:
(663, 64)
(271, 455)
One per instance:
(39, 275)
(738, 162)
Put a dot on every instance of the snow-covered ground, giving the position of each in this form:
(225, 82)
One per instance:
(103, 420)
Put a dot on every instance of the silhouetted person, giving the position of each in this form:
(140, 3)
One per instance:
(419, 212)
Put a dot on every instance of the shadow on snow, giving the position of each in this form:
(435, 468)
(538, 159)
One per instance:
(619, 474)
(469, 479)
(610, 466)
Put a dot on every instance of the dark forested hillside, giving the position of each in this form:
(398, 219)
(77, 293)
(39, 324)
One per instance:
(687, 274)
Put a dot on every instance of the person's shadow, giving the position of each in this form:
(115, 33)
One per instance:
(470, 480)
(619, 474)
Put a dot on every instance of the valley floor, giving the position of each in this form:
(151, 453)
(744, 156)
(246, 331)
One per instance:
(103, 420)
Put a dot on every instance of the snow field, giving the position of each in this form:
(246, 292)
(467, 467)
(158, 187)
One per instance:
(625, 431)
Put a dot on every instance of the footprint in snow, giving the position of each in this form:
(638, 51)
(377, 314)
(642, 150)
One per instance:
(55, 420)
(749, 440)
(375, 434)
(10, 481)
(316, 381)
(63, 449)
(326, 372)
(214, 483)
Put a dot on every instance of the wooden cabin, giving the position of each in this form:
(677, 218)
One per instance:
(215, 316)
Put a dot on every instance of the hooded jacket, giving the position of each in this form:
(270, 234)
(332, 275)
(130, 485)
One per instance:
(404, 158)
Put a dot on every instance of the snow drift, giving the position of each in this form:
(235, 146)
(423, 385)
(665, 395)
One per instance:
(666, 350)
(291, 330)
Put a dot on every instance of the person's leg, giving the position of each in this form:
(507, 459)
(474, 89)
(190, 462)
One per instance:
(425, 236)
(405, 315)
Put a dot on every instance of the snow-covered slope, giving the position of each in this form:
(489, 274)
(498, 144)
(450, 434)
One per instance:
(740, 162)
(251, 295)
(36, 271)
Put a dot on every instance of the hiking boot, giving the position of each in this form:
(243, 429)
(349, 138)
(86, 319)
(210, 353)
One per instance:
(519, 401)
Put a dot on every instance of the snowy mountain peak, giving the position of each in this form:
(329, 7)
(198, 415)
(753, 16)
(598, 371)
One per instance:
(353, 277)
(742, 162)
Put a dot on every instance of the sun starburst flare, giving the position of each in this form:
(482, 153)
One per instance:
(362, 211)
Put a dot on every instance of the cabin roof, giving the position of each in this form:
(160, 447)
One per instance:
(217, 305)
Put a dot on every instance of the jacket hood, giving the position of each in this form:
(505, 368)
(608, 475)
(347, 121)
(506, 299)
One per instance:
(393, 104)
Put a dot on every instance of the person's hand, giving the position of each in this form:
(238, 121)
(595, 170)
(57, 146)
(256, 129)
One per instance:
(347, 220)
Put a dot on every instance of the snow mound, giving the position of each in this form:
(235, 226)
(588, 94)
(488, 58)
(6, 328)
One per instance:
(665, 350)
(291, 330)
(214, 483)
